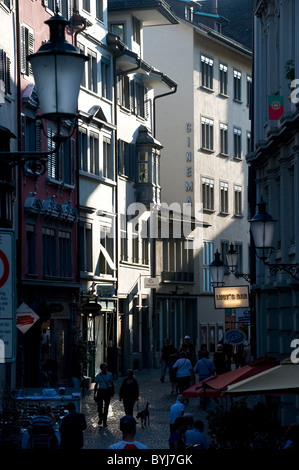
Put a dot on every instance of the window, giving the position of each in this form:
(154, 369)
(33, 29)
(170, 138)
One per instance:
(65, 7)
(208, 257)
(86, 5)
(207, 65)
(223, 139)
(126, 159)
(83, 148)
(82, 51)
(140, 96)
(237, 142)
(125, 96)
(107, 252)
(248, 138)
(207, 193)
(5, 74)
(100, 10)
(92, 79)
(123, 238)
(249, 89)
(136, 30)
(143, 167)
(223, 251)
(118, 29)
(145, 243)
(106, 78)
(94, 154)
(7, 3)
(86, 247)
(65, 254)
(31, 134)
(238, 200)
(178, 262)
(207, 134)
(27, 48)
(239, 250)
(107, 159)
(49, 251)
(68, 162)
(30, 249)
(223, 197)
(223, 78)
(237, 85)
(156, 168)
(189, 13)
(135, 243)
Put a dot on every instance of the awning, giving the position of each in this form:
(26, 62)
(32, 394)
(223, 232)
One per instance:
(281, 380)
(216, 386)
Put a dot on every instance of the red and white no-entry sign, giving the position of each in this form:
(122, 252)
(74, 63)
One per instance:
(8, 296)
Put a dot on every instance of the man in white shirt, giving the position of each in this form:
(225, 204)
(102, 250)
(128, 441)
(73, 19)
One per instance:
(128, 429)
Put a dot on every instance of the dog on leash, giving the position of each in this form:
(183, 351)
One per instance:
(144, 416)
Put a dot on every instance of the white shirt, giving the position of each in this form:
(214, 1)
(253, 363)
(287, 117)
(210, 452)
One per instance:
(128, 445)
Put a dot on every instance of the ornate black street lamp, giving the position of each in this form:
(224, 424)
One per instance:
(232, 263)
(217, 270)
(262, 229)
(57, 69)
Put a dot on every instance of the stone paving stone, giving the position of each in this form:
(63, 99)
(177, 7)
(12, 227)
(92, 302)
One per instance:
(151, 390)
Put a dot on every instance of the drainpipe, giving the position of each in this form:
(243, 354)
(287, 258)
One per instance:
(154, 105)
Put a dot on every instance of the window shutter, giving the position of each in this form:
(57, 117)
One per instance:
(132, 96)
(8, 76)
(53, 157)
(119, 90)
(23, 49)
(146, 104)
(23, 132)
(72, 162)
(2, 69)
(70, 8)
(38, 137)
(30, 49)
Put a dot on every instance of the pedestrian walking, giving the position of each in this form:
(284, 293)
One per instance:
(129, 392)
(72, 428)
(220, 360)
(177, 410)
(177, 435)
(128, 429)
(103, 391)
(189, 349)
(183, 372)
(204, 368)
(172, 372)
(166, 351)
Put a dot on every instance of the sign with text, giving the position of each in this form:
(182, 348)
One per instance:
(231, 297)
(243, 315)
(26, 318)
(8, 293)
(151, 282)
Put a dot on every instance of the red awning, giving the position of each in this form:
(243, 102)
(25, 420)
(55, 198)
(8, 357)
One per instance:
(215, 386)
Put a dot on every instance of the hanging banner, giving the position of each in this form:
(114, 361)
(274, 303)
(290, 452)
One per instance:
(275, 107)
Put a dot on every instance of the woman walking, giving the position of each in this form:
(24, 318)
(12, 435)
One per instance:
(184, 371)
(129, 392)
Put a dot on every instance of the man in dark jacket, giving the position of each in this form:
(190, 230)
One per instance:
(71, 429)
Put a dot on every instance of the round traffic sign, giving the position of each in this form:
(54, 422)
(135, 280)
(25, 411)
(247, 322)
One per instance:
(5, 274)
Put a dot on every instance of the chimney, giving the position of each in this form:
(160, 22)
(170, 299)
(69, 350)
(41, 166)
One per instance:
(214, 7)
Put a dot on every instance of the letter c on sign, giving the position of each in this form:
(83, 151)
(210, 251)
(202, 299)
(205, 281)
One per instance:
(5, 274)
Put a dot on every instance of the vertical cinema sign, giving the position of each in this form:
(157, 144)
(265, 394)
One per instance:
(231, 297)
(189, 169)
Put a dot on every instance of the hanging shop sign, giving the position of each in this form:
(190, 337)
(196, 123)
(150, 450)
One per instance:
(151, 282)
(234, 337)
(231, 297)
(243, 315)
(26, 318)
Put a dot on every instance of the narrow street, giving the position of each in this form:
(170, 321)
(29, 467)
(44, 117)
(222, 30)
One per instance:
(151, 390)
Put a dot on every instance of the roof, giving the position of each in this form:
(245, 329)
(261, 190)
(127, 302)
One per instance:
(150, 12)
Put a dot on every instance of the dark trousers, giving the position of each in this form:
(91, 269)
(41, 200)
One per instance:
(129, 406)
(103, 400)
(183, 383)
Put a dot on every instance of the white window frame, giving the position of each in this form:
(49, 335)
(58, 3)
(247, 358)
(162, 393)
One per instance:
(207, 134)
(207, 71)
(208, 193)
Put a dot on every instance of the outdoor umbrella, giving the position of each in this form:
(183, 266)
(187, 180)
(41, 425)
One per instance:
(281, 380)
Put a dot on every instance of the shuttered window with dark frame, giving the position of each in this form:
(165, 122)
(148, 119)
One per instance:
(27, 48)
(5, 73)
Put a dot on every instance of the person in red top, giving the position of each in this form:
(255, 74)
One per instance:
(128, 429)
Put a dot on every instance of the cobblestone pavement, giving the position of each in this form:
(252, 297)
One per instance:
(151, 390)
